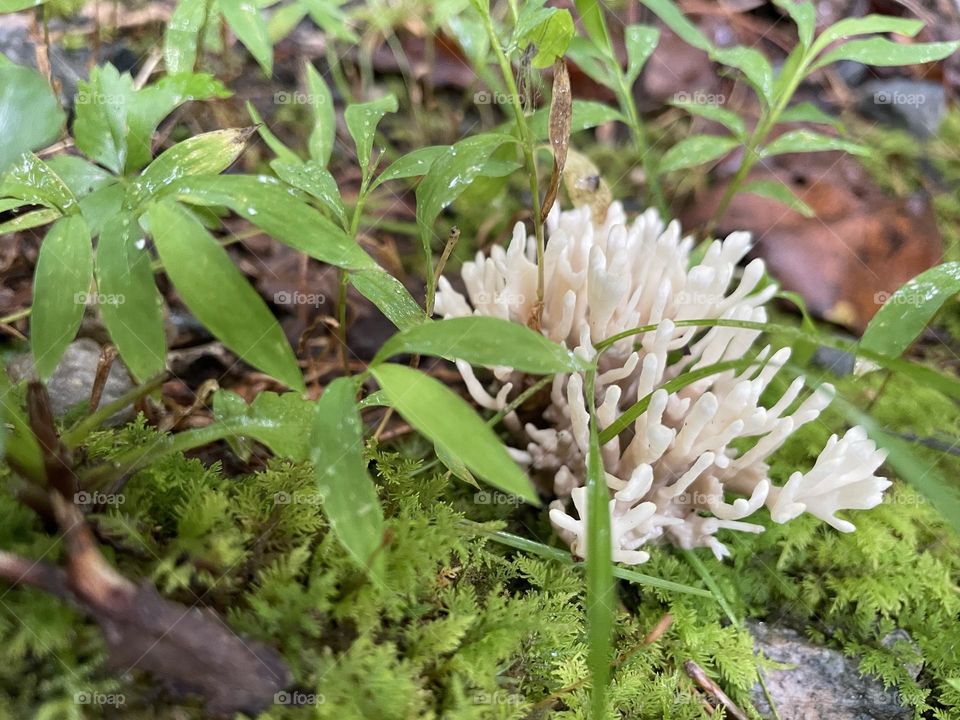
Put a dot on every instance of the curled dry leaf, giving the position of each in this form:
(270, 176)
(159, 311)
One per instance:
(561, 110)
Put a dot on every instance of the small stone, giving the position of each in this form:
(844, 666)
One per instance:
(73, 379)
(917, 106)
(819, 682)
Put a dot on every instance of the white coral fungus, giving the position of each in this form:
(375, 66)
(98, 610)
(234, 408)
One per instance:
(674, 476)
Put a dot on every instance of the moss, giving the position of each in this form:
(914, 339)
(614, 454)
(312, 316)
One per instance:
(464, 627)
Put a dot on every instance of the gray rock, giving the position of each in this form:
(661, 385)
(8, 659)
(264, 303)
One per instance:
(917, 106)
(72, 381)
(819, 682)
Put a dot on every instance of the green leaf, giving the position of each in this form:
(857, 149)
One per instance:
(804, 16)
(808, 112)
(80, 176)
(390, 296)
(674, 19)
(799, 141)
(641, 41)
(183, 31)
(551, 38)
(151, 104)
(100, 127)
(284, 20)
(129, 301)
(885, 53)
(727, 118)
(324, 118)
(206, 154)
(450, 175)
(696, 150)
(905, 314)
(848, 27)
(283, 422)
(601, 587)
(273, 142)
(586, 114)
(18, 444)
(483, 340)
(414, 164)
(101, 205)
(60, 287)
(218, 294)
(32, 219)
(754, 66)
(32, 180)
(30, 116)
(362, 120)
(776, 190)
(349, 495)
(244, 18)
(591, 15)
(446, 419)
(315, 180)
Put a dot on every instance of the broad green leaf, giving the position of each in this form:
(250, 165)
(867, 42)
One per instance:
(30, 116)
(882, 52)
(60, 287)
(81, 176)
(151, 104)
(601, 587)
(32, 219)
(31, 179)
(101, 205)
(674, 19)
(183, 31)
(282, 422)
(591, 15)
(450, 175)
(551, 38)
(445, 418)
(362, 120)
(754, 66)
(776, 190)
(905, 314)
(808, 112)
(129, 301)
(206, 154)
(849, 27)
(282, 152)
(278, 211)
(727, 118)
(218, 294)
(483, 340)
(100, 127)
(390, 296)
(696, 150)
(586, 114)
(324, 118)
(315, 180)
(641, 41)
(244, 18)
(414, 164)
(596, 64)
(349, 496)
(799, 141)
(804, 16)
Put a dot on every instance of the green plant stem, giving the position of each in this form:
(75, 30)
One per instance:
(641, 140)
(79, 432)
(526, 142)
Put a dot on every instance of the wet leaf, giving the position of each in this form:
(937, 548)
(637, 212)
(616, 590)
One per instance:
(446, 419)
(30, 116)
(315, 180)
(324, 130)
(804, 16)
(727, 118)
(245, 20)
(754, 66)
(180, 39)
(641, 41)
(483, 340)
(414, 164)
(349, 496)
(802, 141)
(696, 150)
(130, 303)
(390, 296)
(60, 287)
(905, 313)
(808, 112)
(886, 53)
(32, 180)
(362, 120)
(100, 126)
(218, 294)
